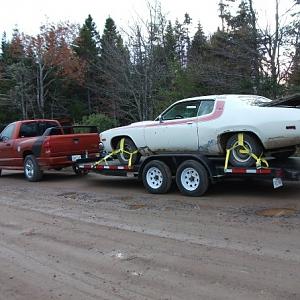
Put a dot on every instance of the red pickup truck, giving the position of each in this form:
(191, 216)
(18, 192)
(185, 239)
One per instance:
(38, 145)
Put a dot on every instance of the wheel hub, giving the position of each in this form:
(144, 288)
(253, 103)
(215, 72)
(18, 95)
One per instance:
(190, 179)
(29, 169)
(154, 178)
(240, 153)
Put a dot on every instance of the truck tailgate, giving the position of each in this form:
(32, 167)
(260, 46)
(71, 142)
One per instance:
(73, 144)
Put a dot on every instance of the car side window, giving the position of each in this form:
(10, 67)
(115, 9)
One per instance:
(182, 110)
(7, 133)
(28, 130)
(206, 107)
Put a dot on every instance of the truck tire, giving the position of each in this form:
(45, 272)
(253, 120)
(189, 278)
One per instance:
(129, 146)
(32, 169)
(237, 159)
(157, 177)
(192, 178)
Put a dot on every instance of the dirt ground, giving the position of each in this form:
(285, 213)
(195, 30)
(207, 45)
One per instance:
(96, 237)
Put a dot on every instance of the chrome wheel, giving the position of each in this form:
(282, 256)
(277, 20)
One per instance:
(29, 169)
(238, 154)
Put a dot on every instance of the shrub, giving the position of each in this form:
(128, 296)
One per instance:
(102, 121)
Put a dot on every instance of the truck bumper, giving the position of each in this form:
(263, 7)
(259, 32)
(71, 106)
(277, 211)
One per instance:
(60, 161)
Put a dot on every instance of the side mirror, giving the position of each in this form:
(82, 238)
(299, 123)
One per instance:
(160, 119)
(1, 138)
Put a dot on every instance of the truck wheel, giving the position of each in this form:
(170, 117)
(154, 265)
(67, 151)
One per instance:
(157, 177)
(32, 169)
(129, 146)
(238, 159)
(192, 178)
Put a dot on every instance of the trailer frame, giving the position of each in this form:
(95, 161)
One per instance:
(193, 172)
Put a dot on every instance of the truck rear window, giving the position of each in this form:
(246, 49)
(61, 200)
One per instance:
(35, 129)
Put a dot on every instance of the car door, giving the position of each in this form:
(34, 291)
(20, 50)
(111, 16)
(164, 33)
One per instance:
(6, 145)
(176, 130)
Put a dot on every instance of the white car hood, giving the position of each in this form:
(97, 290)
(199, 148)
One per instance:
(142, 123)
(132, 125)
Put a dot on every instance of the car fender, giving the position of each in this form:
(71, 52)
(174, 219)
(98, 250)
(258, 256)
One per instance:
(236, 129)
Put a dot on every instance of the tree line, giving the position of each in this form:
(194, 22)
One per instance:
(121, 76)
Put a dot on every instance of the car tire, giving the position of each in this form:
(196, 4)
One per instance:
(78, 171)
(129, 146)
(237, 159)
(32, 169)
(157, 177)
(192, 178)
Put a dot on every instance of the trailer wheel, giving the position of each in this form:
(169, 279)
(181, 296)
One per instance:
(157, 177)
(32, 169)
(192, 178)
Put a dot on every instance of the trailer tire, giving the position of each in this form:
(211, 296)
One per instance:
(192, 178)
(157, 177)
(32, 169)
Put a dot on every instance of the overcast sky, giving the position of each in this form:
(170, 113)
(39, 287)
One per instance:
(29, 15)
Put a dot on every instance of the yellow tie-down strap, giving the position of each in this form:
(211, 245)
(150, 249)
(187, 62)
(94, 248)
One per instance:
(115, 152)
(240, 143)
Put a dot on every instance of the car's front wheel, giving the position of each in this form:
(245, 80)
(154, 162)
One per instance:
(238, 157)
(129, 147)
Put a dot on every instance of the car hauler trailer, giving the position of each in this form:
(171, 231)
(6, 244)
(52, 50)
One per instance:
(193, 173)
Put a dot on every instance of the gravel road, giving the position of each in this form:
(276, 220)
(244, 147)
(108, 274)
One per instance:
(96, 237)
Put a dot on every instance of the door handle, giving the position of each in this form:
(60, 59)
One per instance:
(76, 140)
(8, 145)
(189, 123)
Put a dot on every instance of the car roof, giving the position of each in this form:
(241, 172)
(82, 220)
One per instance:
(225, 97)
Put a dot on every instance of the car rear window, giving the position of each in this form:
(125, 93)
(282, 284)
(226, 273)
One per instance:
(206, 107)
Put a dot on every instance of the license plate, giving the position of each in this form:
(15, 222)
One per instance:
(75, 157)
(277, 182)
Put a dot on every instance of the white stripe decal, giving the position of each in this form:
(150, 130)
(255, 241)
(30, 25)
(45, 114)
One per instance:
(251, 171)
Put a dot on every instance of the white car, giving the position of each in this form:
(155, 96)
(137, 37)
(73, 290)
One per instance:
(210, 125)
